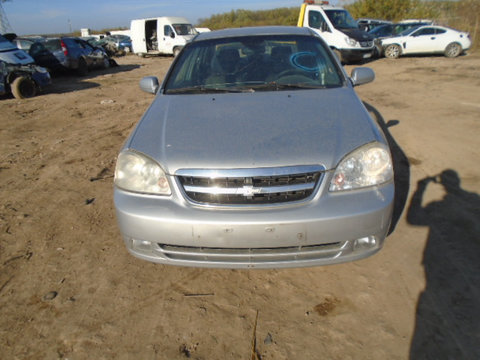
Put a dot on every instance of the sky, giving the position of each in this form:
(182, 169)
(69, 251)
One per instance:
(29, 17)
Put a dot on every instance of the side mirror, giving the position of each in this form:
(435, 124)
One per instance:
(149, 84)
(172, 35)
(362, 75)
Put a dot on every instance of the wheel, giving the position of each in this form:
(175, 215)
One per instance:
(82, 69)
(23, 87)
(392, 51)
(176, 51)
(106, 62)
(453, 50)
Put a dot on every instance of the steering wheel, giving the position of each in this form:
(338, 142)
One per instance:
(297, 75)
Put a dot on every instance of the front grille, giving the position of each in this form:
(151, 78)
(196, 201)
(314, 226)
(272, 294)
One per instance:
(250, 186)
(366, 43)
(253, 255)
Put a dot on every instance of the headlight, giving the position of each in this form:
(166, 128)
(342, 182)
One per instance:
(137, 172)
(350, 41)
(368, 165)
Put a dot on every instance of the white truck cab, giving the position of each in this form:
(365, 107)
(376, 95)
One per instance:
(161, 35)
(338, 29)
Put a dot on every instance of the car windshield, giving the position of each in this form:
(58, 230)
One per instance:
(341, 19)
(381, 30)
(254, 63)
(184, 29)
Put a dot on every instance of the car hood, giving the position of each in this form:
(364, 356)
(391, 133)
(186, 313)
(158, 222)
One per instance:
(246, 130)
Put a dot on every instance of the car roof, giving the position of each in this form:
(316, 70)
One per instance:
(253, 31)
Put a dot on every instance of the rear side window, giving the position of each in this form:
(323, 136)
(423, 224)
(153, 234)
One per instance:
(425, 31)
(53, 45)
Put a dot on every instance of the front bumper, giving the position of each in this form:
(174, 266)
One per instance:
(357, 54)
(330, 228)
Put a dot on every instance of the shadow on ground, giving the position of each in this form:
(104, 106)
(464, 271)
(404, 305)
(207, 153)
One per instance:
(67, 82)
(448, 310)
(401, 166)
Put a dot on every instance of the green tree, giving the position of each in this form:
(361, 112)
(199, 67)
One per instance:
(392, 10)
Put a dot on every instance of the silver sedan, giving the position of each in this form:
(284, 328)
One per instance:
(255, 153)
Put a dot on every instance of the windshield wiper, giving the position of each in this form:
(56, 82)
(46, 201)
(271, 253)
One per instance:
(201, 89)
(280, 86)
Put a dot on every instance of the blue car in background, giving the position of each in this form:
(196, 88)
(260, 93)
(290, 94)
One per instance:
(123, 42)
(19, 74)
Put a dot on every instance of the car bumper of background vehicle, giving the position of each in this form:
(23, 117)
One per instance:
(332, 229)
(356, 54)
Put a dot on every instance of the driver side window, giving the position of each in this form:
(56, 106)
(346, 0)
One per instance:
(167, 30)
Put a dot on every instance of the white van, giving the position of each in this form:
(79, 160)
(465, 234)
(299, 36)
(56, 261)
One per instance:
(160, 35)
(338, 29)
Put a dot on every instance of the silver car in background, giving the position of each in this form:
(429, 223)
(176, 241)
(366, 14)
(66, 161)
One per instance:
(255, 153)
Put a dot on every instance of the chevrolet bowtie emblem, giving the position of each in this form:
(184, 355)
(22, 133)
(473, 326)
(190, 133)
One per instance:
(249, 190)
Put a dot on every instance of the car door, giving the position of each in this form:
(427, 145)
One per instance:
(420, 41)
(165, 43)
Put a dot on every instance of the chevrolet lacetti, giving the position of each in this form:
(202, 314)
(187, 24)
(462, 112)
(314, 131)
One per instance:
(255, 153)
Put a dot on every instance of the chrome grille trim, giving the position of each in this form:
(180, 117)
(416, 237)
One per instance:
(248, 187)
(249, 190)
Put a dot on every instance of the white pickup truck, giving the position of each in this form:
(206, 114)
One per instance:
(338, 29)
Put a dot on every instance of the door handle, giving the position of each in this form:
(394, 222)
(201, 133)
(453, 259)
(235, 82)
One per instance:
(432, 38)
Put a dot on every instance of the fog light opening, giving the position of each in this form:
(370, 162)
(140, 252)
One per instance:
(365, 243)
(141, 245)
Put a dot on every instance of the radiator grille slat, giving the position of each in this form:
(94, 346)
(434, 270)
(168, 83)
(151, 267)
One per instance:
(250, 186)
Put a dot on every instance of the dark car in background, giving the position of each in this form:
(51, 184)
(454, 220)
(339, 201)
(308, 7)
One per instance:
(370, 24)
(76, 54)
(389, 30)
(35, 47)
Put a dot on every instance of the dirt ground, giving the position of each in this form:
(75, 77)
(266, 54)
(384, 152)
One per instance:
(70, 290)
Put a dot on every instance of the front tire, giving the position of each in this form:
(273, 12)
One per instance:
(453, 50)
(176, 51)
(392, 51)
(23, 87)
